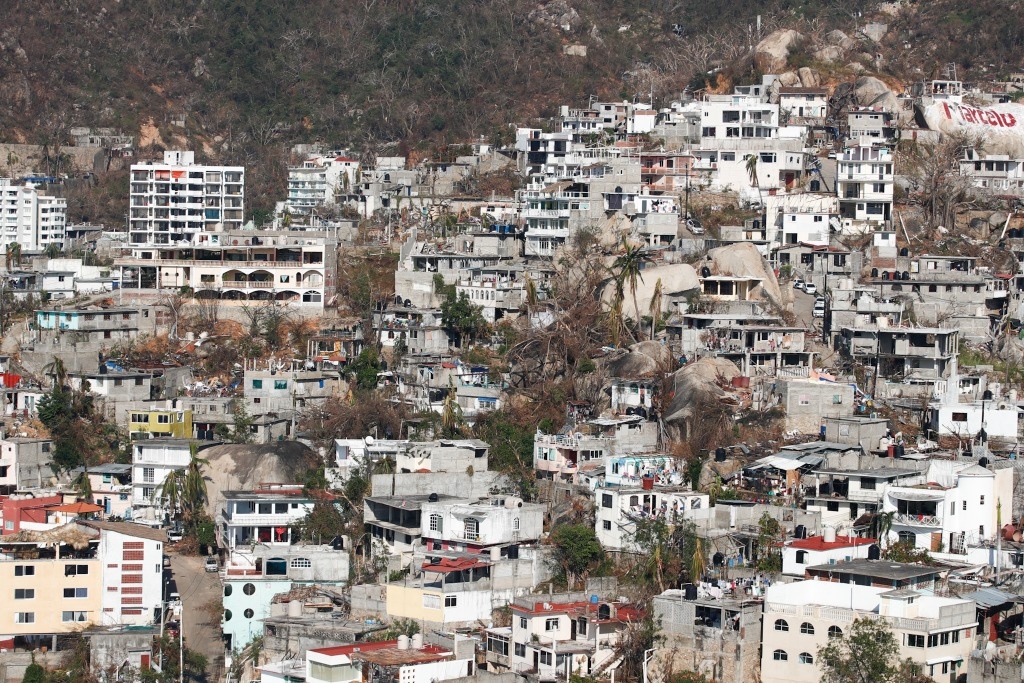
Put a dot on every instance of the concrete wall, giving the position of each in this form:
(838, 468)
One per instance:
(477, 485)
(808, 402)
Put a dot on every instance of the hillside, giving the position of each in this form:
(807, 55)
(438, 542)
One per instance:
(252, 78)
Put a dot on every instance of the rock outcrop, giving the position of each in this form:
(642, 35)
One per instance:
(772, 53)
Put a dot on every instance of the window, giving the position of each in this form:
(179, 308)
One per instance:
(551, 624)
(451, 600)
(76, 592)
(472, 529)
(76, 569)
(515, 524)
(24, 617)
(301, 563)
(24, 593)
(148, 475)
(606, 525)
(67, 617)
(163, 419)
(959, 417)
(915, 640)
(781, 625)
(227, 615)
(606, 500)
(964, 505)
(520, 650)
(497, 645)
(227, 590)
(780, 656)
(545, 657)
(982, 501)
(280, 384)
(835, 632)
(807, 628)
(248, 614)
(257, 384)
(436, 523)
(933, 639)
(249, 589)
(522, 623)
(806, 658)
(867, 483)
(801, 557)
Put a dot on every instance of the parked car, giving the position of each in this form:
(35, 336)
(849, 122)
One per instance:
(819, 309)
(798, 283)
(811, 288)
(175, 534)
(694, 226)
(211, 564)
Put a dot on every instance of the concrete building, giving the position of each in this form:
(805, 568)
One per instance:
(25, 464)
(719, 638)
(264, 516)
(408, 661)
(932, 631)
(152, 460)
(157, 422)
(177, 201)
(320, 181)
(30, 218)
(955, 508)
(808, 402)
(288, 391)
(924, 357)
(111, 486)
(131, 556)
(864, 184)
(620, 508)
(841, 496)
(481, 525)
(114, 386)
(827, 549)
(101, 326)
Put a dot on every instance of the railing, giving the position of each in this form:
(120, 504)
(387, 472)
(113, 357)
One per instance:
(916, 520)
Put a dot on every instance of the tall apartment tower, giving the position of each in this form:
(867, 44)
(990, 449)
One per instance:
(170, 203)
(30, 218)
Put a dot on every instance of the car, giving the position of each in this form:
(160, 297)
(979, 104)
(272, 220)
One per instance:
(810, 288)
(819, 310)
(175, 534)
(695, 226)
(798, 283)
(211, 564)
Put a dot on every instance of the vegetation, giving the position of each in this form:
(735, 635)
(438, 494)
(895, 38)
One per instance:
(867, 652)
(770, 536)
(665, 553)
(576, 553)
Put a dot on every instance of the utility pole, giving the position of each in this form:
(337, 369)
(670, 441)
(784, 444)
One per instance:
(181, 645)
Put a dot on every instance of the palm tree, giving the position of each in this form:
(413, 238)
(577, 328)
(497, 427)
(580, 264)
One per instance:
(882, 523)
(627, 269)
(655, 306)
(698, 561)
(451, 413)
(52, 250)
(57, 370)
(193, 485)
(13, 255)
(170, 491)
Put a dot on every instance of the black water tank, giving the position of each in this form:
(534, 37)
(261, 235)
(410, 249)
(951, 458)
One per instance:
(874, 272)
(906, 275)
(719, 454)
(904, 252)
(874, 553)
(718, 559)
(986, 395)
(690, 591)
(900, 450)
(885, 275)
(983, 462)
(705, 272)
(800, 531)
(432, 498)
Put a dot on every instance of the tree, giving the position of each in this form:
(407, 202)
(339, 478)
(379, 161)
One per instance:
(577, 552)
(13, 255)
(57, 370)
(461, 316)
(52, 250)
(655, 307)
(866, 653)
(626, 269)
(769, 538)
(451, 412)
(193, 488)
(365, 367)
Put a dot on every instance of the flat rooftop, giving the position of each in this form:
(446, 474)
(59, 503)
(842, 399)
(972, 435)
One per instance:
(879, 569)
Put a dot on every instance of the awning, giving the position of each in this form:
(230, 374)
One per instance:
(917, 495)
(990, 597)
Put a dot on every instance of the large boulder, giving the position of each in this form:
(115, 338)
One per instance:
(840, 40)
(675, 278)
(874, 32)
(869, 91)
(744, 260)
(828, 54)
(697, 384)
(643, 359)
(789, 79)
(809, 78)
(772, 53)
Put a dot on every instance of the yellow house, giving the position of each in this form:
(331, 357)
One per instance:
(50, 582)
(160, 423)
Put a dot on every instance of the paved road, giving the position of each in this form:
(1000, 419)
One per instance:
(201, 599)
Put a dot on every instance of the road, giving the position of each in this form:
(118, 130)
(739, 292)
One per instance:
(202, 600)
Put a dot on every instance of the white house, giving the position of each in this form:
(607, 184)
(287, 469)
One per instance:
(152, 461)
(966, 420)
(619, 509)
(864, 185)
(480, 525)
(808, 552)
(265, 516)
(800, 617)
(132, 556)
(319, 181)
(406, 660)
(958, 506)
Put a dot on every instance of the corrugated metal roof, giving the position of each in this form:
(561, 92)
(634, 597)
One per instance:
(991, 597)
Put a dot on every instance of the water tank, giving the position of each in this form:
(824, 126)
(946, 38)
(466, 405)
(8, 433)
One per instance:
(983, 462)
(986, 395)
(719, 454)
(295, 608)
(800, 531)
(432, 498)
(705, 272)
(874, 553)
(512, 502)
(885, 275)
(403, 642)
(689, 591)
(594, 599)
(829, 534)
(718, 559)
(417, 641)
(874, 273)
(900, 450)
(496, 554)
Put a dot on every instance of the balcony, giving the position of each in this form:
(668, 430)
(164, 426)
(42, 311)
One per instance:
(916, 520)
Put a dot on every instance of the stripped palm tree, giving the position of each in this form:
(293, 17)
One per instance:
(451, 413)
(698, 561)
(627, 269)
(57, 370)
(170, 491)
(13, 255)
(655, 307)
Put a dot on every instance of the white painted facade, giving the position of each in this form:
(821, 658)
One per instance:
(152, 461)
(319, 181)
(175, 201)
(619, 508)
(933, 631)
(30, 218)
(132, 576)
(864, 185)
(489, 522)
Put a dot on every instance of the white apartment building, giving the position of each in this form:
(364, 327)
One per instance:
(464, 526)
(266, 515)
(738, 117)
(152, 461)
(319, 181)
(995, 173)
(800, 617)
(956, 508)
(175, 201)
(619, 509)
(864, 185)
(132, 556)
(803, 218)
(30, 218)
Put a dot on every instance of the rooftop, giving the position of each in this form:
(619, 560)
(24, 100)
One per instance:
(878, 569)
(819, 543)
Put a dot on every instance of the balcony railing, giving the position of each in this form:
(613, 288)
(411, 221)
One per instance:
(916, 520)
